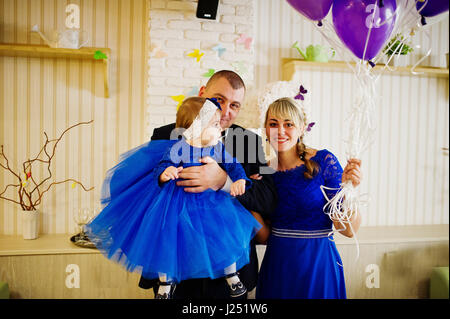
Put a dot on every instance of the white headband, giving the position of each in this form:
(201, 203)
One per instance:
(201, 120)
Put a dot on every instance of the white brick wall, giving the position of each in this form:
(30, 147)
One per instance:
(175, 30)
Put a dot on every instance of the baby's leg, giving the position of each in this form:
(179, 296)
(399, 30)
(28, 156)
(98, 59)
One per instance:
(237, 288)
(164, 287)
(229, 271)
(231, 275)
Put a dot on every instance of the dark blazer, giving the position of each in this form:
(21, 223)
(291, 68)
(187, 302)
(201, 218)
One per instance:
(246, 147)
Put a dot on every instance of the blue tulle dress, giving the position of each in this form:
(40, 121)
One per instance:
(301, 261)
(151, 228)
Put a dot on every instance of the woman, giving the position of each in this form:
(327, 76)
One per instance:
(301, 261)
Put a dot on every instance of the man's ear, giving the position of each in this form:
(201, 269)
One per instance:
(201, 91)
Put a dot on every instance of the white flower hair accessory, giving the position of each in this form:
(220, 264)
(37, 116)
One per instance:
(276, 90)
(201, 121)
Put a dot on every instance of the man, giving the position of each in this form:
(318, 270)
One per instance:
(229, 90)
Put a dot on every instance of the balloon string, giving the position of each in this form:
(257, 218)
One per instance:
(424, 57)
(345, 204)
(341, 208)
(327, 31)
(423, 5)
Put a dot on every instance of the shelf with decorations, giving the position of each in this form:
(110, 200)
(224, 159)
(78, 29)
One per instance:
(101, 55)
(290, 66)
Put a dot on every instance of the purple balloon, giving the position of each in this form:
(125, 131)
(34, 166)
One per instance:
(314, 10)
(352, 21)
(432, 7)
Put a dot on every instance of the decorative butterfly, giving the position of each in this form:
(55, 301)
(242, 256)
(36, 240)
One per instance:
(302, 91)
(196, 54)
(160, 54)
(157, 52)
(209, 73)
(310, 125)
(246, 40)
(220, 50)
(179, 99)
(99, 55)
(193, 91)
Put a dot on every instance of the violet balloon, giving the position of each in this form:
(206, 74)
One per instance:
(352, 21)
(314, 10)
(432, 7)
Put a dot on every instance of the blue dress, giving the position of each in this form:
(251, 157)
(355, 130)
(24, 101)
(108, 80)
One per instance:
(301, 261)
(151, 228)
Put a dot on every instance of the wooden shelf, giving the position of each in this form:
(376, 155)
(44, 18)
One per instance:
(40, 51)
(54, 244)
(397, 234)
(290, 66)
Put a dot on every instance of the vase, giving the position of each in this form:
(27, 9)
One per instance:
(30, 224)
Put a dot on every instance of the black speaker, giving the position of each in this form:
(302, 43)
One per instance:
(207, 9)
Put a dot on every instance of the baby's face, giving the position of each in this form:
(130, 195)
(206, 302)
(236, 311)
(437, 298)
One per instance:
(212, 133)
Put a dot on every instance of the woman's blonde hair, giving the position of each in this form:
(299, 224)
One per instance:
(288, 108)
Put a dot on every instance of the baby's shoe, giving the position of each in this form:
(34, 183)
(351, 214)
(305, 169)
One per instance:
(165, 290)
(237, 288)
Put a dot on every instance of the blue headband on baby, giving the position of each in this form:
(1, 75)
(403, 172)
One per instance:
(214, 100)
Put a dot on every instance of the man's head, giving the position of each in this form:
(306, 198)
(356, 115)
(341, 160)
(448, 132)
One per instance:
(229, 90)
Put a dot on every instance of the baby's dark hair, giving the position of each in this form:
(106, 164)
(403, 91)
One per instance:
(188, 110)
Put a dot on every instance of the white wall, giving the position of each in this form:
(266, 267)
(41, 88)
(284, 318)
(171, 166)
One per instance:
(40, 95)
(175, 30)
(405, 169)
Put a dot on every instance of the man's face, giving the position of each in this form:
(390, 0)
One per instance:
(229, 99)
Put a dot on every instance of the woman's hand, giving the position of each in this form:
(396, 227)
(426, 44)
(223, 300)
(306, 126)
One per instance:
(352, 172)
(263, 234)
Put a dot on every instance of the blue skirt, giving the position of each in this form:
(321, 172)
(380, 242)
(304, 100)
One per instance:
(151, 229)
(301, 268)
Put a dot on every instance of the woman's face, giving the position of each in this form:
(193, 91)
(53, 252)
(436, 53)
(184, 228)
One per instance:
(282, 133)
(212, 133)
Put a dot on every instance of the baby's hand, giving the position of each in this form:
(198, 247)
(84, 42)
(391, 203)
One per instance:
(169, 173)
(238, 187)
(256, 176)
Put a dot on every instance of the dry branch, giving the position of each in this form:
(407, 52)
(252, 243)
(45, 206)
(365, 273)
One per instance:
(29, 200)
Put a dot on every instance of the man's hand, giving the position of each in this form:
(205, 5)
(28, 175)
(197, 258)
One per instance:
(200, 178)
